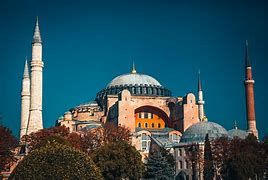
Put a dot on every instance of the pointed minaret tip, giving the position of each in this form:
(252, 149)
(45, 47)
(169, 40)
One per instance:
(133, 68)
(247, 60)
(26, 69)
(37, 34)
(235, 124)
(199, 81)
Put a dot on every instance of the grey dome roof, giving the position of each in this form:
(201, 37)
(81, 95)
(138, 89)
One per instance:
(237, 133)
(197, 132)
(134, 79)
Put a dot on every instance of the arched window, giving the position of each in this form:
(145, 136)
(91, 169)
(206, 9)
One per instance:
(139, 114)
(145, 115)
(152, 125)
(180, 152)
(174, 137)
(180, 165)
(145, 142)
(187, 164)
(146, 124)
(159, 125)
(139, 125)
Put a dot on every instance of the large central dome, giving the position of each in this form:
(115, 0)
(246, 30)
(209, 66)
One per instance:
(134, 79)
(137, 84)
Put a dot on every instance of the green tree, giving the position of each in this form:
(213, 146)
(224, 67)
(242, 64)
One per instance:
(7, 144)
(160, 165)
(118, 160)
(56, 161)
(208, 161)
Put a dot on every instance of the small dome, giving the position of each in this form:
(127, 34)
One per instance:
(197, 132)
(90, 103)
(134, 79)
(237, 133)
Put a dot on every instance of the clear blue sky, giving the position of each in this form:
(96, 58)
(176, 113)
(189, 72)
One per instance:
(87, 43)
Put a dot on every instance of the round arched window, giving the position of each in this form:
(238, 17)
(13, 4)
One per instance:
(146, 125)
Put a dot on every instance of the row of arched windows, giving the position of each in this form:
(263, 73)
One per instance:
(146, 125)
(160, 91)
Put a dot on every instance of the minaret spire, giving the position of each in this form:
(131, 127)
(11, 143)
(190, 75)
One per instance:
(36, 120)
(25, 100)
(199, 81)
(26, 69)
(133, 68)
(200, 101)
(235, 124)
(37, 34)
(249, 88)
(247, 60)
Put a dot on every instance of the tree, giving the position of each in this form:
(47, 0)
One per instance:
(7, 144)
(56, 161)
(220, 148)
(119, 160)
(113, 133)
(91, 140)
(208, 161)
(240, 158)
(160, 165)
(36, 139)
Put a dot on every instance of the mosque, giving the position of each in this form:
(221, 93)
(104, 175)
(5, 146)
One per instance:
(137, 101)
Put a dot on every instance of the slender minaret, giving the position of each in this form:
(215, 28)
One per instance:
(36, 122)
(249, 88)
(133, 71)
(25, 100)
(200, 101)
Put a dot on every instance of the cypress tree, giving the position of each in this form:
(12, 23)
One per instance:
(208, 161)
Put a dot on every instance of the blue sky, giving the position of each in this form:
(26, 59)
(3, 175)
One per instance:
(88, 43)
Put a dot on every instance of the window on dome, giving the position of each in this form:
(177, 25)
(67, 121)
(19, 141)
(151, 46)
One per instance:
(152, 125)
(159, 125)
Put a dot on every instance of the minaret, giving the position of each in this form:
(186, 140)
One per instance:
(25, 100)
(249, 88)
(133, 68)
(200, 101)
(37, 65)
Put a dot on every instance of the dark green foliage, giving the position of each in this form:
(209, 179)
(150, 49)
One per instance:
(208, 161)
(56, 161)
(242, 159)
(118, 160)
(160, 165)
(7, 143)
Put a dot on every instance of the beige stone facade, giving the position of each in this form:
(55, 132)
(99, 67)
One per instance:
(140, 103)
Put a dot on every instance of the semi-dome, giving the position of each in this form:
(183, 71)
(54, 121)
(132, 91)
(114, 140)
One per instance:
(134, 79)
(197, 132)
